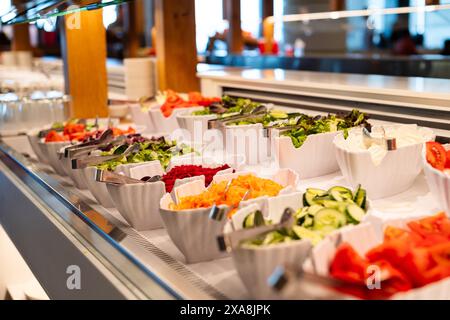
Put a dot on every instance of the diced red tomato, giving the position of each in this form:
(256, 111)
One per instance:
(447, 163)
(174, 101)
(54, 136)
(436, 155)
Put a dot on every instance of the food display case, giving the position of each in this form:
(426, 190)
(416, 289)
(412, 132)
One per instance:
(49, 219)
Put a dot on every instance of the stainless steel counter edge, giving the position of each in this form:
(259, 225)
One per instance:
(42, 225)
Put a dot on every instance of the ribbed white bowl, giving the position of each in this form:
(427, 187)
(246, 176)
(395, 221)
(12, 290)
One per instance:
(438, 182)
(77, 176)
(98, 189)
(142, 118)
(139, 203)
(33, 139)
(195, 125)
(50, 152)
(395, 174)
(193, 232)
(166, 124)
(255, 264)
(313, 159)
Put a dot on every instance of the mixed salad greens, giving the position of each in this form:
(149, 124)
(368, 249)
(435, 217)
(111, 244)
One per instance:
(149, 150)
(269, 118)
(324, 211)
(228, 106)
(306, 125)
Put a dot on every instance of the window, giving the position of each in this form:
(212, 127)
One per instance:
(251, 16)
(208, 20)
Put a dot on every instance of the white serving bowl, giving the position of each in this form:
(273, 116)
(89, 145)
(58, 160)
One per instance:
(118, 110)
(248, 140)
(165, 124)
(77, 176)
(313, 159)
(255, 264)
(197, 126)
(99, 189)
(50, 152)
(396, 172)
(192, 231)
(438, 182)
(34, 140)
(139, 203)
(142, 118)
(362, 238)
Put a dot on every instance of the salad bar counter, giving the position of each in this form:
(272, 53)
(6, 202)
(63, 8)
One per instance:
(261, 202)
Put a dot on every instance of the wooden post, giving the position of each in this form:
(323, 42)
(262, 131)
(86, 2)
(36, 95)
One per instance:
(21, 34)
(267, 8)
(84, 54)
(176, 50)
(234, 36)
(21, 38)
(132, 21)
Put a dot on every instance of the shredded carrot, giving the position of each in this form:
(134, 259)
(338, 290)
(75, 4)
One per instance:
(215, 193)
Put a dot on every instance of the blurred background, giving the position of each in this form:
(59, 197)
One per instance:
(414, 43)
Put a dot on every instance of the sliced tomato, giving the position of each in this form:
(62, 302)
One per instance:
(437, 225)
(348, 265)
(447, 163)
(436, 155)
(54, 136)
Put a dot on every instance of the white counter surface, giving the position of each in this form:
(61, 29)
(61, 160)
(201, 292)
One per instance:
(409, 86)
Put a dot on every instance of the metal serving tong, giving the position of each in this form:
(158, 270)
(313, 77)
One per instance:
(230, 241)
(92, 161)
(218, 123)
(268, 131)
(83, 148)
(217, 213)
(368, 140)
(107, 176)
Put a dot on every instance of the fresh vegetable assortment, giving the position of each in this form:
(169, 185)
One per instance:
(175, 101)
(228, 106)
(438, 157)
(408, 258)
(79, 132)
(324, 211)
(149, 150)
(308, 125)
(270, 118)
(223, 194)
(186, 171)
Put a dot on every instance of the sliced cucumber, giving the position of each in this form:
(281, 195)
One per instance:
(360, 198)
(329, 218)
(321, 199)
(308, 199)
(308, 221)
(331, 204)
(278, 114)
(340, 193)
(316, 192)
(301, 212)
(304, 233)
(312, 210)
(254, 219)
(355, 213)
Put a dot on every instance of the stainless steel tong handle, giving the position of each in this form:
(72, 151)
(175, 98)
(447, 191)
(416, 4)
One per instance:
(368, 140)
(217, 123)
(230, 241)
(107, 176)
(95, 160)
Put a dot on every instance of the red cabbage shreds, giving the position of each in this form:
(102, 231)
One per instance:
(187, 171)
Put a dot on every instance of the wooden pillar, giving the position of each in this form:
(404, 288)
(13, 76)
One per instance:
(176, 50)
(232, 10)
(84, 54)
(266, 8)
(132, 21)
(21, 34)
(21, 38)
(337, 5)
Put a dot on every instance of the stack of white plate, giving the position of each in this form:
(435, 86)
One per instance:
(139, 77)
